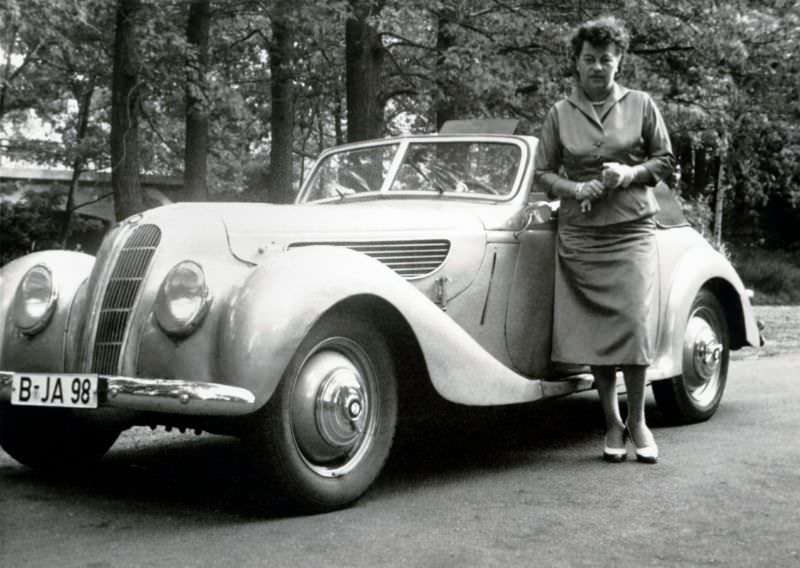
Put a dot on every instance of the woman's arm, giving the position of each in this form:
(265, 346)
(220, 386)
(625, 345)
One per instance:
(661, 160)
(548, 162)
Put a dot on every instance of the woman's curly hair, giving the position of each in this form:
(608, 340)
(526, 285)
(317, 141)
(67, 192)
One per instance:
(599, 33)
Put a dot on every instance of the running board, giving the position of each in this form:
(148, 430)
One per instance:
(578, 382)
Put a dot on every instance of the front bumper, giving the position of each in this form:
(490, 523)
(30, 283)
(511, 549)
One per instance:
(163, 395)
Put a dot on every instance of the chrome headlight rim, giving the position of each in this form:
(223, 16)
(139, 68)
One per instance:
(31, 324)
(181, 327)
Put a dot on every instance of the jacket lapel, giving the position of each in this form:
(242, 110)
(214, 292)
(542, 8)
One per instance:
(580, 101)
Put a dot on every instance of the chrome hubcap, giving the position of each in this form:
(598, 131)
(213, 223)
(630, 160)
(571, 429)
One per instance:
(339, 411)
(702, 353)
(333, 414)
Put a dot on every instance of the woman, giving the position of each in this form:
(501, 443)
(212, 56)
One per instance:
(599, 151)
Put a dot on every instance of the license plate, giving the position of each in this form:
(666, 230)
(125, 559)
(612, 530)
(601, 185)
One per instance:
(41, 389)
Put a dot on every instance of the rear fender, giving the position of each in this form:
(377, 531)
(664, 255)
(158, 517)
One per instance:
(46, 350)
(282, 299)
(702, 267)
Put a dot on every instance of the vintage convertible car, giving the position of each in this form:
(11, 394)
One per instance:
(411, 264)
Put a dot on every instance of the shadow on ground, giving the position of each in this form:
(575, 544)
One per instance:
(185, 475)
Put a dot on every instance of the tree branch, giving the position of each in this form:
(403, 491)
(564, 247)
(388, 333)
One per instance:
(27, 59)
(84, 204)
(156, 131)
(527, 48)
(655, 50)
(405, 42)
(410, 92)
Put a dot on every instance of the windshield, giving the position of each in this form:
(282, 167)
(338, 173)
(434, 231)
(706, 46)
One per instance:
(352, 171)
(476, 168)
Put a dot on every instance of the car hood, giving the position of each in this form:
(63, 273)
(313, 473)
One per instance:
(254, 230)
(422, 242)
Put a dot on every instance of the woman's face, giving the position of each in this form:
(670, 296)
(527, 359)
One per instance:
(597, 67)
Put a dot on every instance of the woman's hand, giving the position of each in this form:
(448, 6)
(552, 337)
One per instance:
(617, 175)
(588, 191)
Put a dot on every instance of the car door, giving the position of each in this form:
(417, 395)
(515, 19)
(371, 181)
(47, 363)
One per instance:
(529, 315)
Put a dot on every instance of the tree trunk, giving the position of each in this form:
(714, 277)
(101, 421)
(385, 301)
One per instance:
(719, 201)
(195, 174)
(364, 62)
(337, 119)
(282, 90)
(84, 107)
(128, 198)
(7, 69)
(445, 106)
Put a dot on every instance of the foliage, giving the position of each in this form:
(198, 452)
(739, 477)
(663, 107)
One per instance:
(725, 75)
(774, 275)
(34, 223)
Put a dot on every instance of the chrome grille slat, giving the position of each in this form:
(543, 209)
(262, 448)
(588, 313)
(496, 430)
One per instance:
(119, 296)
(410, 259)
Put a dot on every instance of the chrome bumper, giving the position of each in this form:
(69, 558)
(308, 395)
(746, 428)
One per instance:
(163, 395)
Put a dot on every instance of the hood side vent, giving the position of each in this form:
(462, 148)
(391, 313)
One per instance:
(410, 259)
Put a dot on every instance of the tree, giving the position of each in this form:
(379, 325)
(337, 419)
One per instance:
(21, 36)
(125, 92)
(84, 96)
(282, 97)
(364, 56)
(282, 81)
(195, 171)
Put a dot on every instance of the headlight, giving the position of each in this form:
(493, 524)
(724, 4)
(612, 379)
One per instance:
(35, 300)
(183, 299)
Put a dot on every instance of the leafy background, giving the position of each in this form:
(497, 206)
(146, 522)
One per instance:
(279, 81)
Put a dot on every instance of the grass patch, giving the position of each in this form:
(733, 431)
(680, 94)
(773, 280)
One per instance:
(773, 275)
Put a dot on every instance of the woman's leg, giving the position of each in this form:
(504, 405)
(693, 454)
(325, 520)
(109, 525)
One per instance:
(635, 387)
(606, 381)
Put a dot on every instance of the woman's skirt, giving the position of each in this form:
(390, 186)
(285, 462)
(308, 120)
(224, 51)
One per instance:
(604, 312)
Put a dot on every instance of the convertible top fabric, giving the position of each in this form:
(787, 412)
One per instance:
(670, 213)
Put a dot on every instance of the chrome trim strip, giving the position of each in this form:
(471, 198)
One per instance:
(163, 395)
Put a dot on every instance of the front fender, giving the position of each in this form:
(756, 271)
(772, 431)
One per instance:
(699, 267)
(281, 300)
(45, 351)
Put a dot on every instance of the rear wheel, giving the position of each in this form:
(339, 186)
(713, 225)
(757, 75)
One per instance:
(324, 436)
(53, 438)
(695, 395)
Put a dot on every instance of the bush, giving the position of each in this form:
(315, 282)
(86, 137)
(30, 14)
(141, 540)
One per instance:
(773, 275)
(35, 222)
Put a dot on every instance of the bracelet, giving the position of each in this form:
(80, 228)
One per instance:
(579, 191)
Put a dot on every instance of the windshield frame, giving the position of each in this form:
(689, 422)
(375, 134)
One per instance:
(404, 143)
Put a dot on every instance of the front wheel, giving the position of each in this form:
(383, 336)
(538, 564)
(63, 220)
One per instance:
(695, 395)
(323, 437)
(53, 438)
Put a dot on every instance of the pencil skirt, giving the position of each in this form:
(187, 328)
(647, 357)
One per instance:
(604, 294)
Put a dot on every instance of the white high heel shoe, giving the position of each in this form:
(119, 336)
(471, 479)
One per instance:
(615, 455)
(645, 454)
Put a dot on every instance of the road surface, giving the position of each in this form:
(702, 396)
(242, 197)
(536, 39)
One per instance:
(516, 487)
